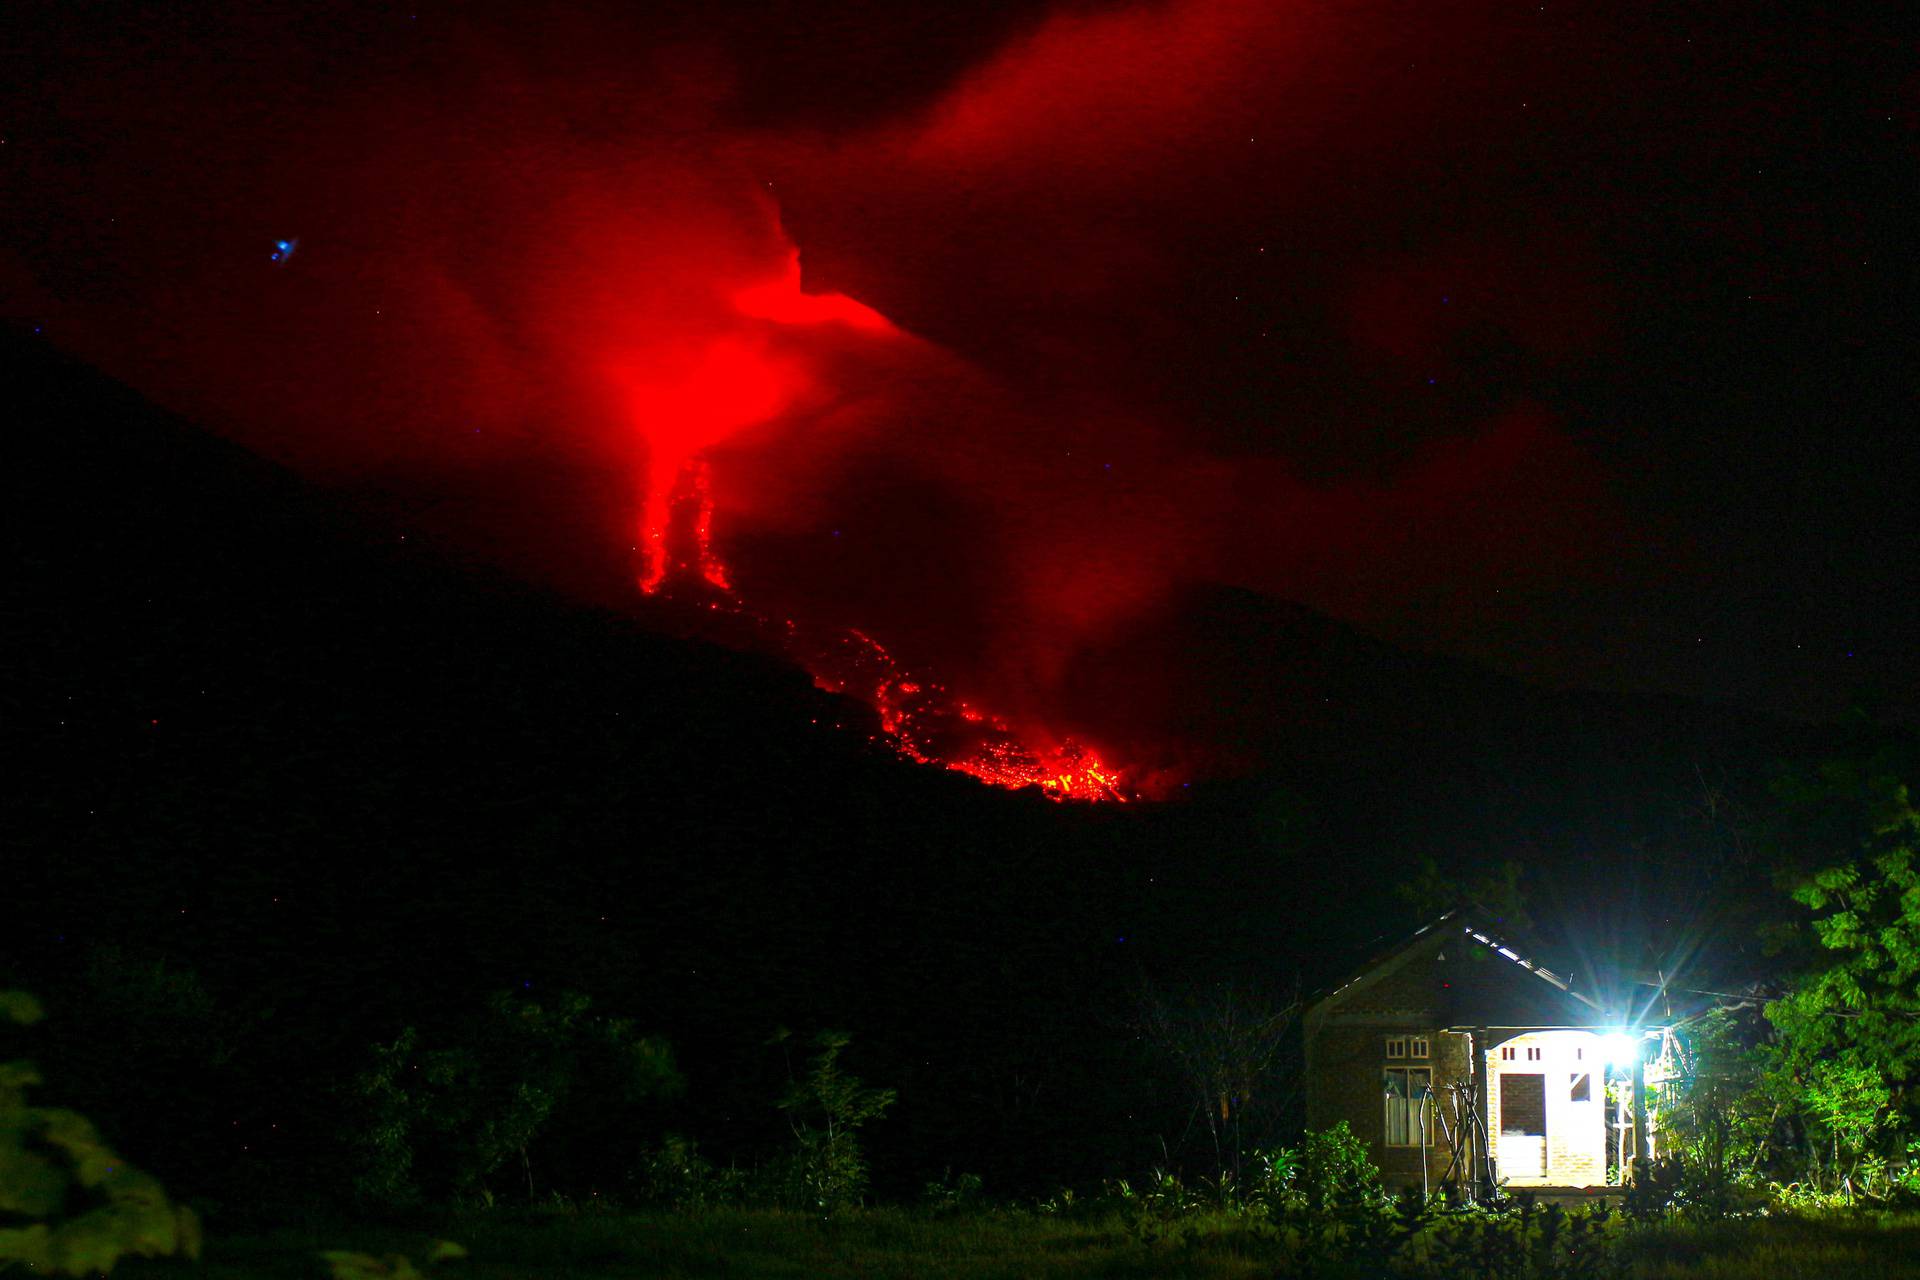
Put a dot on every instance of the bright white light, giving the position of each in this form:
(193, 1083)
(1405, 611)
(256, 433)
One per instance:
(1620, 1049)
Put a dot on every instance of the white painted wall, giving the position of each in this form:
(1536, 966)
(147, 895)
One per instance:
(1576, 1138)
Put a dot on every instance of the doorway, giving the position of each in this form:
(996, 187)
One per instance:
(1523, 1125)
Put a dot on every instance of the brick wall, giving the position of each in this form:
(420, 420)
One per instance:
(1448, 981)
(1348, 1054)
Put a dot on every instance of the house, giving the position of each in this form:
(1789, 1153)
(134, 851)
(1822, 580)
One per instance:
(1459, 1060)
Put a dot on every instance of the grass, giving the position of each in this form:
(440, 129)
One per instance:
(989, 1245)
(1827, 1247)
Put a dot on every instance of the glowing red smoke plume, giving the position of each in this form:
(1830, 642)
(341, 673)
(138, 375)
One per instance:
(732, 383)
(736, 381)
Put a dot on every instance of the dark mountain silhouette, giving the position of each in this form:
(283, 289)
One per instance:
(354, 781)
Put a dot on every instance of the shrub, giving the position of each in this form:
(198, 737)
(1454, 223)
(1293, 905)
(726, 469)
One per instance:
(826, 1108)
(344, 1264)
(1329, 1170)
(466, 1118)
(674, 1174)
(76, 1207)
(951, 1195)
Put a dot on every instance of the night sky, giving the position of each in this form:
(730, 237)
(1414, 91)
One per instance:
(1575, 339)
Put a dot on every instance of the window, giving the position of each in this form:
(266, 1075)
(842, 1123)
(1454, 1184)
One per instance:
(1533, 1054)
(1417, 1047)
(1396, 1046)
(1408, 1090)
(1579, 1053)
(1581, 1088)
(1506, 1053)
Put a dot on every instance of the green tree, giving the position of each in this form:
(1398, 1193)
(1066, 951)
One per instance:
(68, 1203)
(826, 1107)
(1848, 1043)
(449, 1119)
(1718, 1113)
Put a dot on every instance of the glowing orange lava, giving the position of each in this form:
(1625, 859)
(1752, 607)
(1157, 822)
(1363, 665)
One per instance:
(926, 723)
(684, 496)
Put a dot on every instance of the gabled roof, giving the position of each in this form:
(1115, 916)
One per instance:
(1452, 925)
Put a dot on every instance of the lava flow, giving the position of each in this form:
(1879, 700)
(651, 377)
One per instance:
(736, 382)
(922, 720)
(926, 723)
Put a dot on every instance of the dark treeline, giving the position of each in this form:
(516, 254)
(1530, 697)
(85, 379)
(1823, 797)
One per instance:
(284, 785)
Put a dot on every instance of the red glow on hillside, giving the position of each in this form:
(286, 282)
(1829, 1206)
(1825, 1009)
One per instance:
(927, 724)
(743, 379)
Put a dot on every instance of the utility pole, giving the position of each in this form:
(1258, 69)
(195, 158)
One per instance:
(1482, 1166)
(1640, 1125)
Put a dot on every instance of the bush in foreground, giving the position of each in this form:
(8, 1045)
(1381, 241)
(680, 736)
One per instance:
(68, 1203)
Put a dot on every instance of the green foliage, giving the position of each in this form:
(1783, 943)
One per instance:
(1065, 1202)
(388, 1115)
(1329, 1171)
(1816, 1099)
(1850, 1099)
(1318, 1210)
(1519, 1240)
(1323, 1195)
(449, 1120)
(1335, 1171)
(20, 1007)
(826, 1107)
(953, 1195)
(1716, 1117)
(674, 1173)
(1903, 1179)
(1160, 1196)
(68, 1203)
(344, 1264)
(1847, 1051)
(749, 1244)
(1655, 1189)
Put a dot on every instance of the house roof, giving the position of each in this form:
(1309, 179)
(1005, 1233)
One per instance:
(1433, 935)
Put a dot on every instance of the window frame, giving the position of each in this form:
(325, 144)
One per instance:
(1419, 1124)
